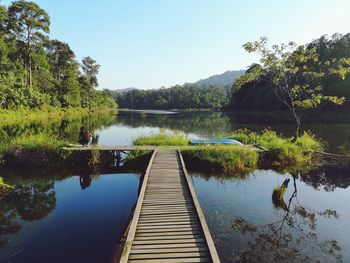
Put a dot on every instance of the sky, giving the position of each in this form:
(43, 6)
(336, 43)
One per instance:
(152, 43)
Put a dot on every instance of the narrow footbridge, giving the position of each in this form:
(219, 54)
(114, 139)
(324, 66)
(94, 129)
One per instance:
(168, 224)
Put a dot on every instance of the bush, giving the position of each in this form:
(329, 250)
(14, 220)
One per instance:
(4, 188)
(39, 149)
(224, 158)
(282, 151)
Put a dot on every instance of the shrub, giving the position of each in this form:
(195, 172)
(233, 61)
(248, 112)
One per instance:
(225, 158)
(4, 188)
(34, 150)
(280, 150)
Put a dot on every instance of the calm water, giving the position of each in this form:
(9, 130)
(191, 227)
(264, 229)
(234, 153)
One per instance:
(247, 226)
(51, 218)
(55, 219)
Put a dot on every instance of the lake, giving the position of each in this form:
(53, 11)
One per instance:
(56, 216)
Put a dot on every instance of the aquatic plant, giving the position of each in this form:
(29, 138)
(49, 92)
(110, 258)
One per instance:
(224, 158)
(162, 139)
(95, 156)
(4, 187)
(280, 150)
(34, 150)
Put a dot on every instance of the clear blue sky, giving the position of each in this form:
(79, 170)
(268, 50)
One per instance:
(153, 43)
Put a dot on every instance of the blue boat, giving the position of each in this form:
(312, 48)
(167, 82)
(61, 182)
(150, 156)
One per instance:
(217, 141)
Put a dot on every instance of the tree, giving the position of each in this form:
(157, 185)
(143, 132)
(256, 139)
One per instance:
(27, 21)
(90, 69)
(295, 74)
(61, 57)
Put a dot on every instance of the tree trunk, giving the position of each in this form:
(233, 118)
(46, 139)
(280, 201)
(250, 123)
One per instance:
(30, 73)
(297, 129)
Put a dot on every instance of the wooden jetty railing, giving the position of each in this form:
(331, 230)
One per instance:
(168, 224)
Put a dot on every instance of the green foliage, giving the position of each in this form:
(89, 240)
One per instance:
(38, 142)
(161, 139)
(296, 76)
(282, 151)
(327, 75)
(4, 187)
(95, 156)
(177, 97)
(36, 71)
(225, 158)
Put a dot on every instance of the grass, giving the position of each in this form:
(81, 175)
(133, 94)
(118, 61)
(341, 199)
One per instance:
(33, 150)
(4, 188)
(223, 158)
(162, 139)
(280, 150)
(44, 114)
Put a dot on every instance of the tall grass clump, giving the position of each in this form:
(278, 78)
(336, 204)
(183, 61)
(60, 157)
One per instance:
(33, 150)
(4, 187)
(280, 150)
(223, 158)
(161, 139)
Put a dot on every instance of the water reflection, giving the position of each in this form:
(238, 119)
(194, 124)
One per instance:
(76, 213)
(85, 181)
(271, 217)
(121, 129)
(30, 200)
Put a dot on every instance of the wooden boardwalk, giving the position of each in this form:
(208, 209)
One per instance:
(168, 224)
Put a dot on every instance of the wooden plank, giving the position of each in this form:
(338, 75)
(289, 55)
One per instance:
(161, 246)
(172, 260)
(194, 232)
(168, 250)
(168, 237)
(170, 255)
(168, 227)
(135, 219)
(179, 241)
(209, 240)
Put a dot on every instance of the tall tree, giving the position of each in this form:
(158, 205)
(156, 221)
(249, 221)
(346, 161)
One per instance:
(27, 22)
(90, 69)
(295, 74)
(60, 56)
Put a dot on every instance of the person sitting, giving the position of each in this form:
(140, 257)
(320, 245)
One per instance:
(85, 137)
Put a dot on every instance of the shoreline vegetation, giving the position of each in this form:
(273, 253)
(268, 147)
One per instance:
(279, 152)
(46, 113)
(41, 150)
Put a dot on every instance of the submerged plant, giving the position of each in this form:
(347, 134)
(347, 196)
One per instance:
(95, 156)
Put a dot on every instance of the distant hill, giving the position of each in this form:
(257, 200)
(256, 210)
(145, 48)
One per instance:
(223, 79)
(125, 90)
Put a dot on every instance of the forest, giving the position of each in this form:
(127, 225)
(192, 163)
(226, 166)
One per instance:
(258, 94)
(177, 97)
(36, 71)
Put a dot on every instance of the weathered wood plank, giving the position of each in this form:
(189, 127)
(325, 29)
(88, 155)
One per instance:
(169, 250)
(168, 226)
(180, 241)
(171, 260)
(169, 255)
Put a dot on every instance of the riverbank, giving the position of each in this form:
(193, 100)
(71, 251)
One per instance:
(279, 152)
(47, 113)
(41, 150)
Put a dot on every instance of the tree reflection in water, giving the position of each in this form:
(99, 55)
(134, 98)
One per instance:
(285, 239)
(29, 201)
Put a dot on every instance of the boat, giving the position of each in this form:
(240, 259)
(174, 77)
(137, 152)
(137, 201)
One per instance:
(216, 141)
